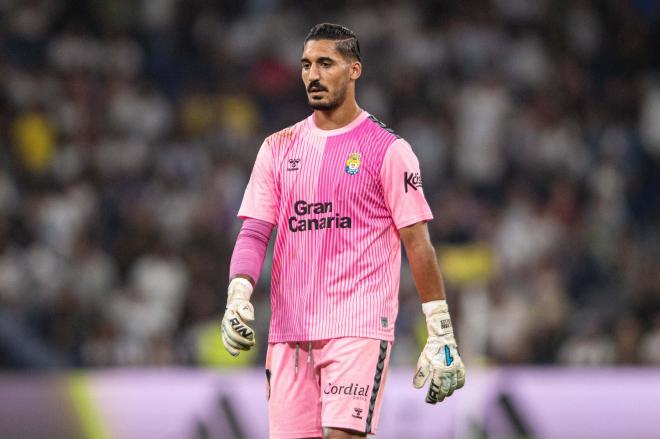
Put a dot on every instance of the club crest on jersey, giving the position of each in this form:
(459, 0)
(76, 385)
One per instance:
(353, 163)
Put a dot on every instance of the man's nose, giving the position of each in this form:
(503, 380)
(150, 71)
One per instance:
(313, 72)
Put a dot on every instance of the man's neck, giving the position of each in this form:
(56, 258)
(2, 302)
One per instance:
(337, 118)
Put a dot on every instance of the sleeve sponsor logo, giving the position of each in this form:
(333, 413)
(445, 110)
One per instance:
(412, 180)
(304, 209)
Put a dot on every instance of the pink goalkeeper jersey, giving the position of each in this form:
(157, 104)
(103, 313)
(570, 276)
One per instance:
(338, 198)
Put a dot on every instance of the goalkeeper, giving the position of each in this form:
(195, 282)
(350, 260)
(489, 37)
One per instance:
(343, 191)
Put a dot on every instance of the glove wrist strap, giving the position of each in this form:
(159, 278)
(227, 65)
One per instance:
(239, 289)
(434, 306)
(438, 321)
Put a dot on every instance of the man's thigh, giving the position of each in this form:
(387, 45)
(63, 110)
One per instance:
(336, 433)
(338, 385)
(352, 372)
(294, 405)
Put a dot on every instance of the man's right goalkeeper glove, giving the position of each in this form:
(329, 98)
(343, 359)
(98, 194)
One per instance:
(440, 358)
(236, 334)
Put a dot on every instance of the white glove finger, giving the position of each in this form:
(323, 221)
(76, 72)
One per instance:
(422, 372)
(228, 345)
(233, 343)
(238, 331)
(453, 381)
(235, 339)
(460, 375)
(445, 384)
(434, 395)
(245, 311)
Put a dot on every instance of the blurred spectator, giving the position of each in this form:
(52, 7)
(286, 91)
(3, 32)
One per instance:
(650, 343)
(34, 140)
(588, 346)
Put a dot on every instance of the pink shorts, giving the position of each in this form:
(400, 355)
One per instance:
(337, 383)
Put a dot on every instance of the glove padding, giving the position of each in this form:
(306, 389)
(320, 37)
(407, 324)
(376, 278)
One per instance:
(237, 336)
(439, 358)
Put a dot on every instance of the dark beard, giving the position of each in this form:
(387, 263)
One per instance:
(324, 106)
(328, 106)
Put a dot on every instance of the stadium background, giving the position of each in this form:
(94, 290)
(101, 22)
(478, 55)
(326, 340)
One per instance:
(128, 130)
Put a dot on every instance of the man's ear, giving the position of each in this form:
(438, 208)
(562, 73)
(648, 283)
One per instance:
(356, 70)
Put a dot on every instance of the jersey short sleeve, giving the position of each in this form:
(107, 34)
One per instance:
(260, 198)
(402, 185)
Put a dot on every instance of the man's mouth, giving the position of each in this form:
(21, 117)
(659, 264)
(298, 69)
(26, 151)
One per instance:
(316, 88)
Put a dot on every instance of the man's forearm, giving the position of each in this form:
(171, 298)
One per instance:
(250, 250)
(440, 358)
(426, 273)
(423, 262)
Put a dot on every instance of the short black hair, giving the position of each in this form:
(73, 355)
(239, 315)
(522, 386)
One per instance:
(347, 42)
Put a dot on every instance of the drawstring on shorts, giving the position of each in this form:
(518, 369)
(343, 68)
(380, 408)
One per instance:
(309, 354)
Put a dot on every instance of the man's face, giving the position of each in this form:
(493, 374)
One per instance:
(326, 74)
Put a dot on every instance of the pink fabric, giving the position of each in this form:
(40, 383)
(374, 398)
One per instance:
(338, 198)
(250, 249)
(333, 386)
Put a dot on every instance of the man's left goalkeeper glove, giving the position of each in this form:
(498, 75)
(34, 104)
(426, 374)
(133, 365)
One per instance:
(440, 358)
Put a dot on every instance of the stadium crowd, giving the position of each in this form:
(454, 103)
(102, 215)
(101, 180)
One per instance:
(127, 135)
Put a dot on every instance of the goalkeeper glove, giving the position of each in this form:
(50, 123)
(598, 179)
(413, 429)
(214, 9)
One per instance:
(439, 359)
(236, 334)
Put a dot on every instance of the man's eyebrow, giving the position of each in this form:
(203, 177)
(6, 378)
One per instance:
(320, 59)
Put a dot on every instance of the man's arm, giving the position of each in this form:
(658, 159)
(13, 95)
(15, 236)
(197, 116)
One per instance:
(250, 250)
(439, 359)
(259, 211)
(423, 262)
(246, 263)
